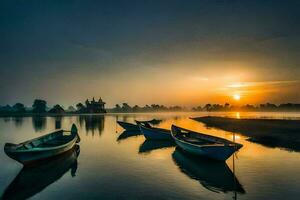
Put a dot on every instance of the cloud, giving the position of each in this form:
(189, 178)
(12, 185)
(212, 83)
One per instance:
(262, 83)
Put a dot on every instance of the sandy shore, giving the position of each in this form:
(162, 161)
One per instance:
(270, 132)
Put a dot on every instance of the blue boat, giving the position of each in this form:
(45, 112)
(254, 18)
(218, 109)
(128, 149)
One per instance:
(153, 133)
(204, 145)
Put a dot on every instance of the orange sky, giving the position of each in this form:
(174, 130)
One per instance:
(163, 52)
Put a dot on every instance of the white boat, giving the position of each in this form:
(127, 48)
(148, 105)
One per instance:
(152, 133)
(204, 145)
(43, 147)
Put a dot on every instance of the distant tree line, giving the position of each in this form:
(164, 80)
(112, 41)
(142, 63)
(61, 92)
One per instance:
(39, 106)
(125, 108)
(248, 107)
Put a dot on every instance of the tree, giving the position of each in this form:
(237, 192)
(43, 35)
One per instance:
(207, 107)
(198, 108)
(154, 107)
(19, 108)
(217, 107)
(71, 109)
(227, 106)
(175, 108)
(6, 109)
(136, 108)
(80, 107)
(117, 108)
(39, 106)
(146, 108)
(126, 107)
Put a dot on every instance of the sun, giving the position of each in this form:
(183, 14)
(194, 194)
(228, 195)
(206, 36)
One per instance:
(237, 97)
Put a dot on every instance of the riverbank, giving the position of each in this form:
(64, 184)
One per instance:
(269, 132)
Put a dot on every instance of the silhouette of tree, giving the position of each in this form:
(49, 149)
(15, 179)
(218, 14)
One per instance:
(19, 108)
(226, 106)
(216, 107)
(126, 107)
(136, 108)
(6, 109)
(268, 106)
(175, 108)
(71, 109)
(117, 108)
(39, 106)
(207, 107)
(147, 108)
(80, 107)
(198, 108)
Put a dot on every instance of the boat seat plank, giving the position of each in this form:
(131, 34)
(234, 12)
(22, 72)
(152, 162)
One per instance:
(197, 141)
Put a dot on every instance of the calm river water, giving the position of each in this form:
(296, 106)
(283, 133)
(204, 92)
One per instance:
(117, 165)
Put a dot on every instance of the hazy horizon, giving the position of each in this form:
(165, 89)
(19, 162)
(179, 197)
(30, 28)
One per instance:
(185, 53)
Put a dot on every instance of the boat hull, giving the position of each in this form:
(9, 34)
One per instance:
(220, 153)
(155, 133)
(128, 126)
(204, 145)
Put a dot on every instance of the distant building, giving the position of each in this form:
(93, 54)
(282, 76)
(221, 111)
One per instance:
(57, 109)
(95, 106)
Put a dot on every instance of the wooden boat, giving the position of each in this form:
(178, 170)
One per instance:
(33, 179)
(43, 147)
(204, 145)
(134, 127)
(153, 133)
(214, 176)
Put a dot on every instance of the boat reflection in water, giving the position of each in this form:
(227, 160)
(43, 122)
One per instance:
(150, 145)
(35, 178)
(126, 134)
(214, 176)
